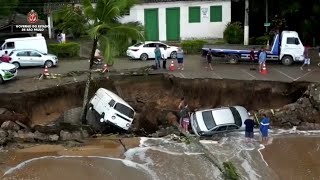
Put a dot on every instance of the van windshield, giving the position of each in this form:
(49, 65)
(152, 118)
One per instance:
(124, 110)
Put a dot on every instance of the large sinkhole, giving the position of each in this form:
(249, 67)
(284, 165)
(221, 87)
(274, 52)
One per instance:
(154, 96)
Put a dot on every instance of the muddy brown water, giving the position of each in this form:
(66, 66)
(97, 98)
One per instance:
(294, 158)
(150, 95)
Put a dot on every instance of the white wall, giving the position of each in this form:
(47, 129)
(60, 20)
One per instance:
(204, 29)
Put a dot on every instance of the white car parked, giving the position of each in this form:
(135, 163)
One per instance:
(7, 71)
(28, 57)
(211, 121)
(145, 50)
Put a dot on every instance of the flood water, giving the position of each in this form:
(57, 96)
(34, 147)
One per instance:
(293, 156)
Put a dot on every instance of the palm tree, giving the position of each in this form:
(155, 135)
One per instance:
(103, 26)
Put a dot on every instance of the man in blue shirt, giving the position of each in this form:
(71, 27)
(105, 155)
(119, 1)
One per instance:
(264, 128)
(262, 58)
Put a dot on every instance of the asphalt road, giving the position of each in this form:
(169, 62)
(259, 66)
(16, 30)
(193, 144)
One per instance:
(195, 68)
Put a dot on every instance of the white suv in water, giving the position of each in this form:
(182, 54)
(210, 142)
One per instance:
(211, 121)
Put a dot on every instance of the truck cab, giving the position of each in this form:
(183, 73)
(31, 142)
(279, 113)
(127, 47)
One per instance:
(291, 48)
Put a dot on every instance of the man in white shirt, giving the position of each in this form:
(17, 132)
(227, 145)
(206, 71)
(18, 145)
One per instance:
(97, 54)
(164, 56)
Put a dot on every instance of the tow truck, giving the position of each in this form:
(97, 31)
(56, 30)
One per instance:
(286, 48)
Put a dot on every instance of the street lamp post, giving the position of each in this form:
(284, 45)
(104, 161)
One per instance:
(246, 23)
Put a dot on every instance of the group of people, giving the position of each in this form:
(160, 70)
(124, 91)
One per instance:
(162, 54)
(264, 128)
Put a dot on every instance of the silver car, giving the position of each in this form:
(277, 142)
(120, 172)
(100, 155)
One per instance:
(26, 58)
(211, 121)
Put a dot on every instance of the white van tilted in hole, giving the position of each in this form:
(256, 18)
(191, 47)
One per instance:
(112, 109)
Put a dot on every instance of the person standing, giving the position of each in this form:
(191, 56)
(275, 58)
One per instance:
(252, 58)
(306, 58)
(59, 38)
(262, 59)
(209, 60)
(264, 128)
(5, 57)
(164, 57)
(157, 53)
(185, 116)
(180, 57)
(249, 134)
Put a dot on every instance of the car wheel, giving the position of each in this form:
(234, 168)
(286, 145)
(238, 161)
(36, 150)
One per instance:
(48, 63)
(16, 64)
(1, 80)
(287, 60)
(144, 57)
(233, 59)
(173, 55)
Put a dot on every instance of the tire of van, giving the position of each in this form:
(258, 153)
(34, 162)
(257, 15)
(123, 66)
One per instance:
(93, 120)
(287, 60)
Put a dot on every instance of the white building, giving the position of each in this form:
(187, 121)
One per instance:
(174, 20)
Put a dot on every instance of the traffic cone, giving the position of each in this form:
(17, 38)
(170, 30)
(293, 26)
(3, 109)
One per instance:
(45, 71)
(172, 67)
(264, 69)
(105, 68)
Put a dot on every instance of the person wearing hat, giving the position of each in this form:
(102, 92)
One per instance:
(249, 134)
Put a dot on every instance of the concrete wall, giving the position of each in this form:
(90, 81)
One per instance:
(204, 29)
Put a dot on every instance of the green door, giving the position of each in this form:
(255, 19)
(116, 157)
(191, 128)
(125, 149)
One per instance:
(151, 24)
(173, 24)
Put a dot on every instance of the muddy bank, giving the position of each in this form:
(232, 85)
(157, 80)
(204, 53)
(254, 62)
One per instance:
(152, 97)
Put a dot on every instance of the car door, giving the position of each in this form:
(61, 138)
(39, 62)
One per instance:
(23, 57)
(36, 59)
(149, 49)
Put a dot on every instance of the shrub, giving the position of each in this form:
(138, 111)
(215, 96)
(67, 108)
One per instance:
(230, 171)
(69, 49)
(262, 40)
(233, 34)
(193, 46)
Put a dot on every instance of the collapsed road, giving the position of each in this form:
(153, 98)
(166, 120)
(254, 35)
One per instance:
(42, 114)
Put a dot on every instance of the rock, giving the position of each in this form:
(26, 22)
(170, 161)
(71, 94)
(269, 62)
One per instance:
(309, 126)
(40, 136)
(53, 138)
(23, 136)
(67, 136)
(165, 132)
(22, 125)
(3, 137)
(3, 110)
(314, 93)
(9, 125)
(295, 122)
(48, 129)
(84, 133)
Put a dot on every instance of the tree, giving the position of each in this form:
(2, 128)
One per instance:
(74, 25)
(104, 26)
(7, 7)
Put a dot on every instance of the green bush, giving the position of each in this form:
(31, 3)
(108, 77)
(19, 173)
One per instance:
(69, 49)
(262, 40)
(233, 34)
(230, 171)
(193, 46)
